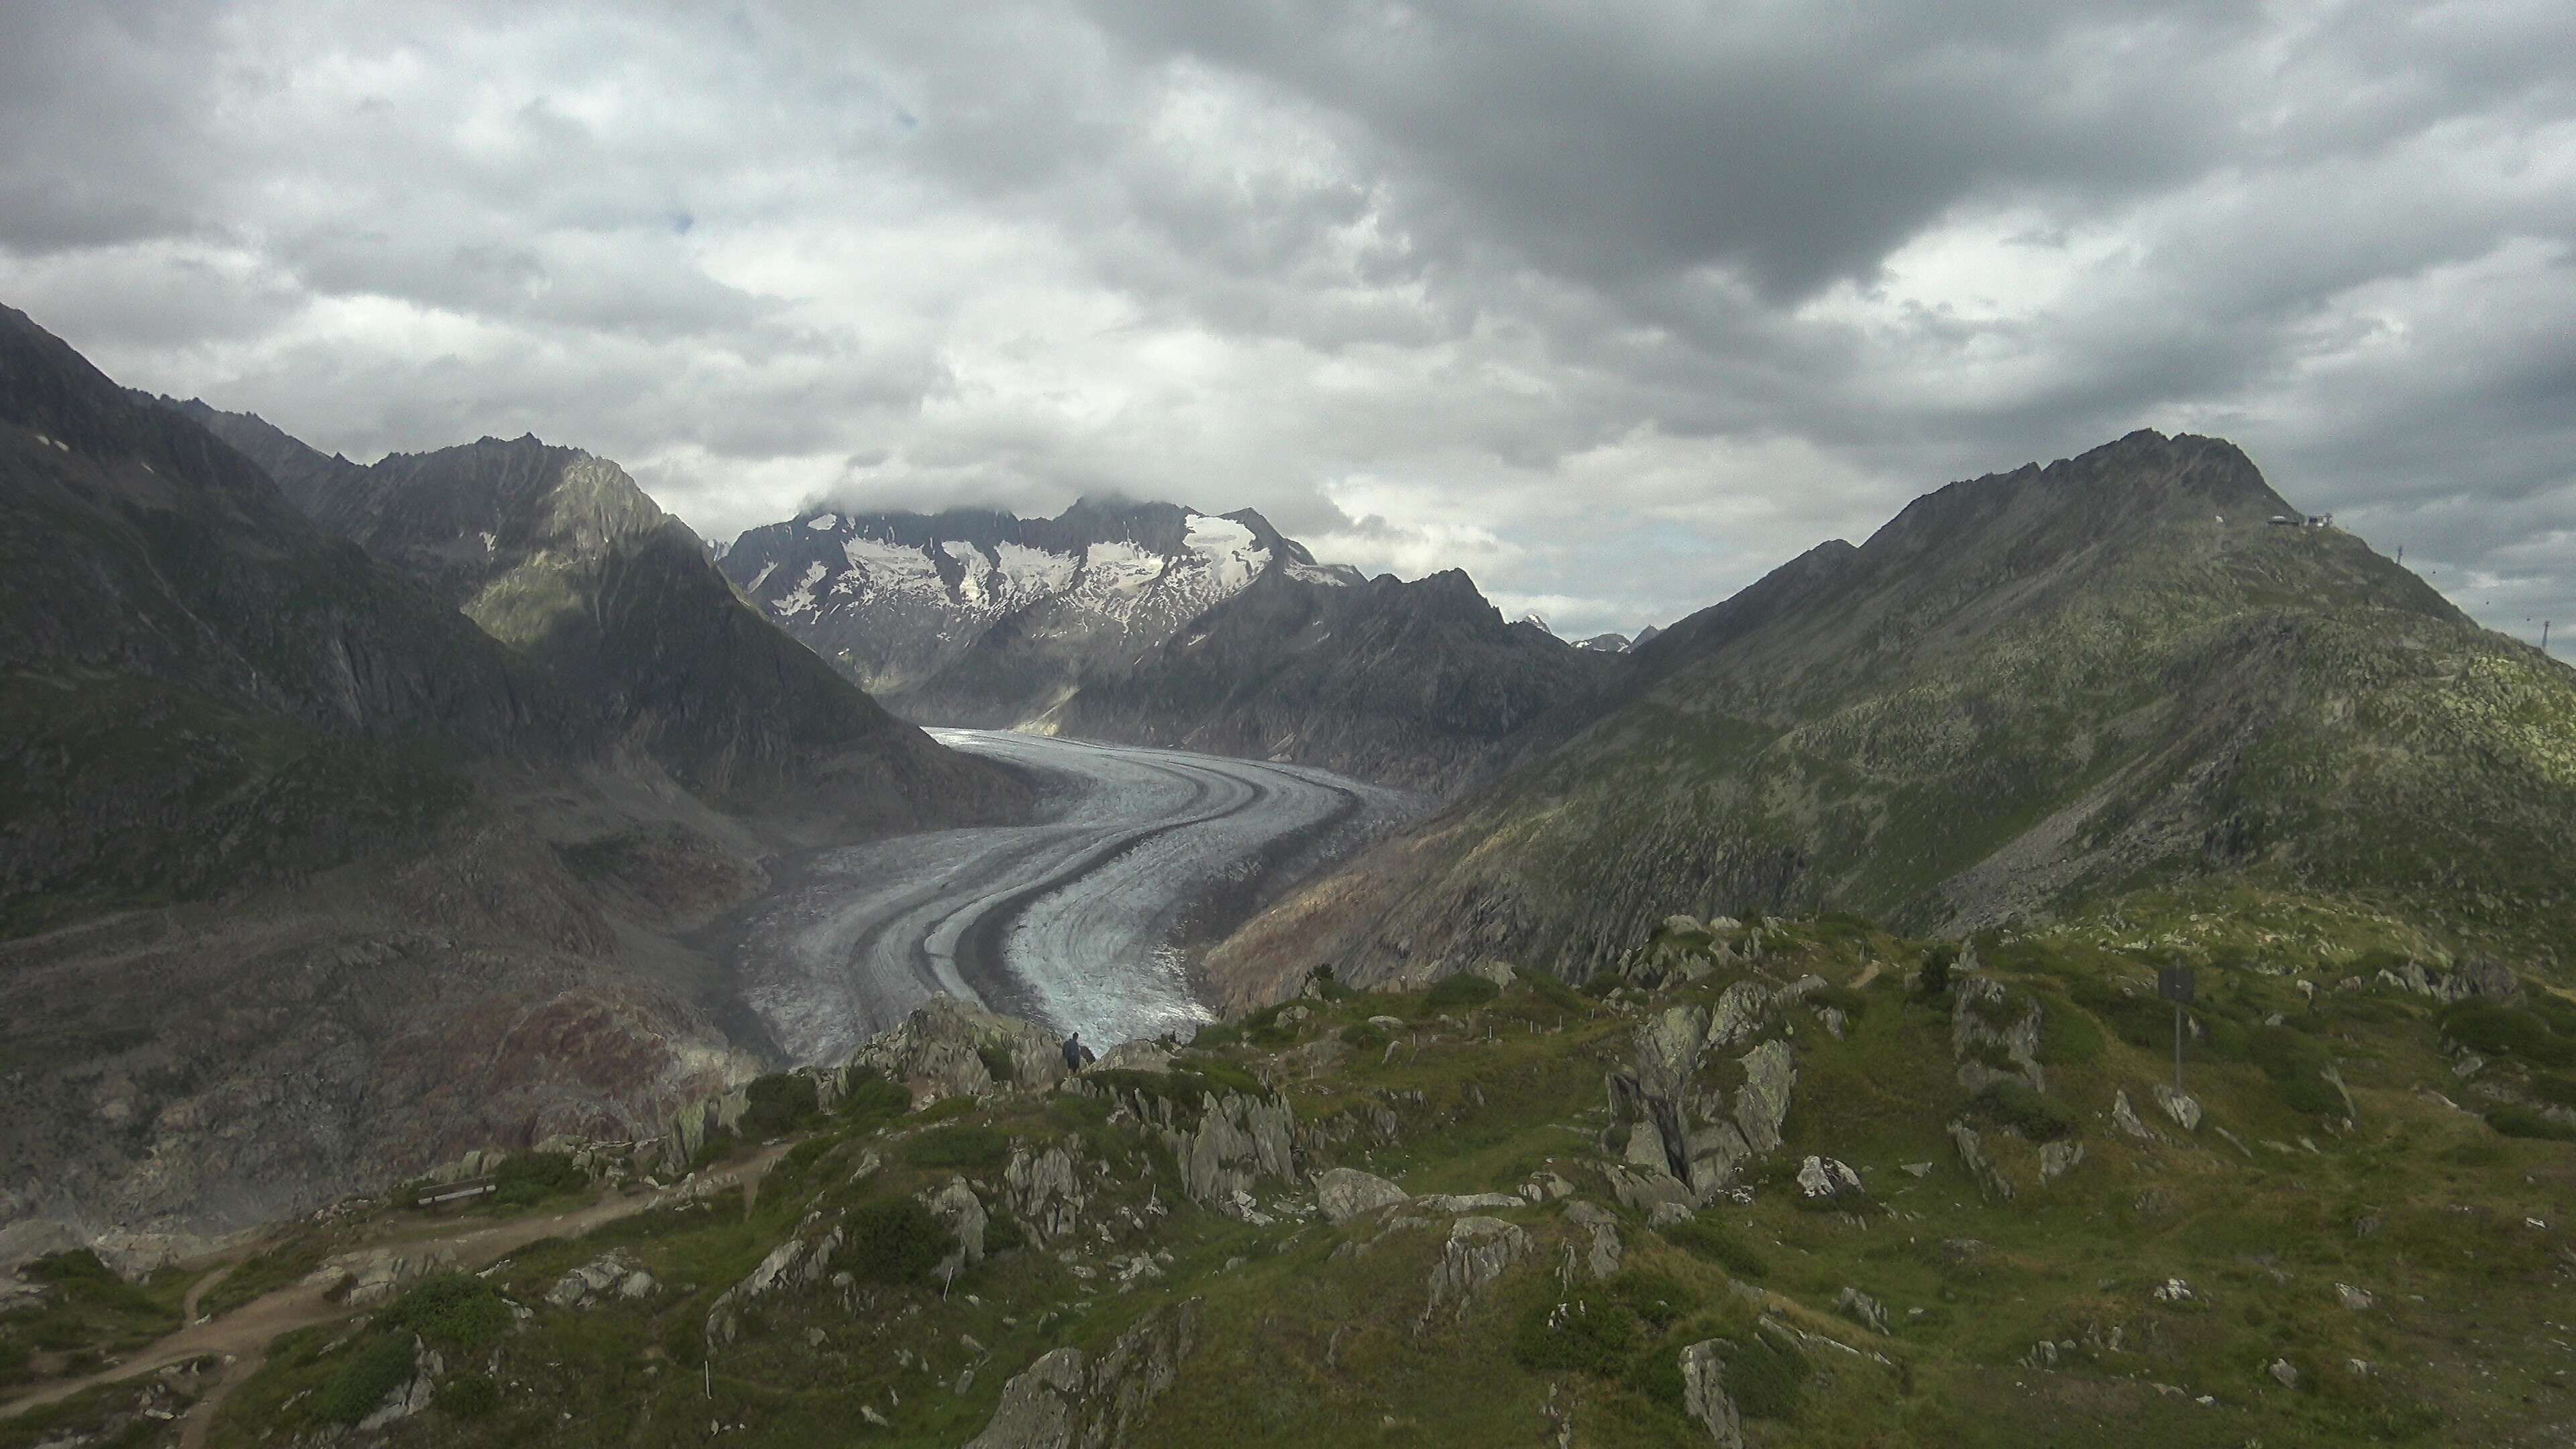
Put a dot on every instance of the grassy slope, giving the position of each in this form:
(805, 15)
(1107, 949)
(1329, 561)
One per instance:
(2452, 1227)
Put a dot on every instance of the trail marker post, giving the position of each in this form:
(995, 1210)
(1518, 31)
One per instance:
(2175, 984)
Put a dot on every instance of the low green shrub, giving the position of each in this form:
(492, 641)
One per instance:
(780, 1103)
(1659, 1300)
(966, 1146)
(1588, 1335)
(998, 1064)
(1851, 1003)
(2297, 1064)
(2557, 1090)
(2514, 1121)
(455, 1310)
(2502, 1031)
(2067, 1036)
(529, 1178)
(1362, 1037)
(868, 1096)
(1939, 959)
(1766, 1376)
(1702, 1238)
(1460, 991)
(469, 1397)
(2015, 1105)
(361, 1382)
(897, 1242)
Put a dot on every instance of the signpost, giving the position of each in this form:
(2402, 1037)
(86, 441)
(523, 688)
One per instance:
(2175, 984)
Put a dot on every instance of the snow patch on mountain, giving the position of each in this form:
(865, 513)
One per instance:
(824, 522)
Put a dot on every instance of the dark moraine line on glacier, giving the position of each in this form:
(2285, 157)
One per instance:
(1072, 920)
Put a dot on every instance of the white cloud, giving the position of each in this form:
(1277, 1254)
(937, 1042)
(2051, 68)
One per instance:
(1614, 306)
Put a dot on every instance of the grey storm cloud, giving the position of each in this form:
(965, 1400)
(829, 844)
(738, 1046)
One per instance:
(1616, 305)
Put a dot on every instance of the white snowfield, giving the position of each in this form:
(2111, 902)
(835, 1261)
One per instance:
(1070, 921)
(1132, 588)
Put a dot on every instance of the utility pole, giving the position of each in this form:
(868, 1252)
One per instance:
(2544, 636)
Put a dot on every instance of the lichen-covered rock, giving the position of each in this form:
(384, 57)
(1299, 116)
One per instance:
(963, 1212)
(1601, 1256)
(1704, 1393)
(367, 1278)
(1985, 1023)
(2125, 1117)
(2058, 1158)
(1072, 1400)
(801, 1261)
(1044, 1190)
(612, 1275)
(2182, 1107)
(1343, 1193)
(1239, 1140)
(1826, 1178)
(1972, 1156)
(1478, 1251)
(941, 1051)
(1862, 1309)
(413, 1394)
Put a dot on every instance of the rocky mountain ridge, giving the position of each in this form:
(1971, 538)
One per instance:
(1158, 624)
(2026, 692)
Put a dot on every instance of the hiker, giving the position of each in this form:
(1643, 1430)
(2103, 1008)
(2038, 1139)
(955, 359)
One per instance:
(1076, 1055)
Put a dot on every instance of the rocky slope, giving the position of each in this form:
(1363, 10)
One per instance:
(2028, 690)
(1156, 624)
(1763, 1184)
(561, 556)
(1417, 685)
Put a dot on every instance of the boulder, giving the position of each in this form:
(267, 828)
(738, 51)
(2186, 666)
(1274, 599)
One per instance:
(2182, 1107)
(957, 1205)
(2058, 1158)
(1972, 1156)
(1343, 1193)
(612, 1275)
(1985, 1021)
(941, 1051)
(1824, 1178)
(1072, 1400)
(1238, 1140)
(1862, 1309)
(413, 1394)
(1602, 1257)
(1498, 972)
(1142, 1055)
(1478, 1251)
(1468, 1202)
(1044, 1189)
(2125, 1117)
(1704, 1393)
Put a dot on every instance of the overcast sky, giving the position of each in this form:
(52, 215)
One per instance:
(1615, 305)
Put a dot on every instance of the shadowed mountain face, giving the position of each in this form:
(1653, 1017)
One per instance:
(1150, 623)
(1412, 684)
(196, 669)
(2028, 690)
(560, 556)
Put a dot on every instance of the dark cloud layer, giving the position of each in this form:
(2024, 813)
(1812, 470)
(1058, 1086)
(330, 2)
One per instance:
(1615, 305)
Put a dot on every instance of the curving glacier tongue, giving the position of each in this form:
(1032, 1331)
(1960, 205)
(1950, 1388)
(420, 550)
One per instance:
(1074, 920)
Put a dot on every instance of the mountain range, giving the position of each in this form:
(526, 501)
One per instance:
(2137, 670)
(1153, 623)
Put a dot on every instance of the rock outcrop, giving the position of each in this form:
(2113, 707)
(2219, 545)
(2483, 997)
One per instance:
(1704, 1393)
(1069, 1399)
(950, 1048)
(1478, 1251)
(1343, 1193)
(1668, 1119)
